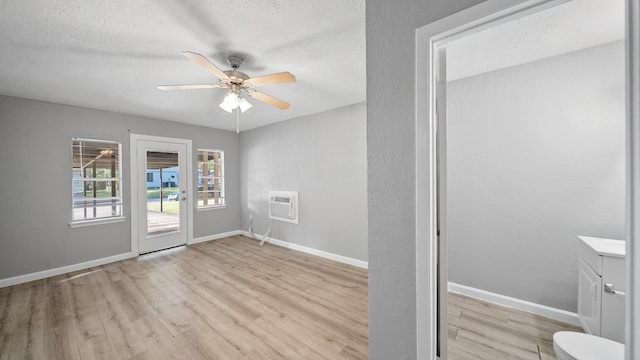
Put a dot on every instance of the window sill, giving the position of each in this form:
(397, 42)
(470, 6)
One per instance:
(211, 207)
(85, 223)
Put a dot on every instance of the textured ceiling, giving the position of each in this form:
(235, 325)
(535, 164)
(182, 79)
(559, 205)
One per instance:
(576, 25)
(110, 55)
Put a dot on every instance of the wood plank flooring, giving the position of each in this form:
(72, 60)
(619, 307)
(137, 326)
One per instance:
(223, 299)
(480, 330)
(232, 299)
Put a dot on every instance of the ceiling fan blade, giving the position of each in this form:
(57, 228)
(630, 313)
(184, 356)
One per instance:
(282, 77)
(268, 99)
(188, 87)
(205, 63)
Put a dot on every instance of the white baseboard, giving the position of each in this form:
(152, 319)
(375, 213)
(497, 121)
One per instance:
(216, 237)
(308, 250)
(63, 270)
(88, 264)
(530, 307)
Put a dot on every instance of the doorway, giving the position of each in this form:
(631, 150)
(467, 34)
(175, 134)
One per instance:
(532, 162)
(161, 189)
(430, 124)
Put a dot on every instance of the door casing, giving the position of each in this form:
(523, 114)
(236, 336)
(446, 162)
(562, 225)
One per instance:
(136, 212)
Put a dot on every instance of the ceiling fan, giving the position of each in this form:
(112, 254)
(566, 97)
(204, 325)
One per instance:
(237, 82)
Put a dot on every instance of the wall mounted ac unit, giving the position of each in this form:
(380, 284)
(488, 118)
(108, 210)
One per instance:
(283, 206)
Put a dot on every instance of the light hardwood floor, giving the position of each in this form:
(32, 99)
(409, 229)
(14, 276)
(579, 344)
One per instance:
(232, 299)
(479, 330)
(223, 299)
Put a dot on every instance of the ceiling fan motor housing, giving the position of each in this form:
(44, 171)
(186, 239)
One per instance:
(235, 77)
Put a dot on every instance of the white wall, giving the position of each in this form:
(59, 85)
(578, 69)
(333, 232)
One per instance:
(321, 156)
(391, 27)
(535, 158)
(35, 143)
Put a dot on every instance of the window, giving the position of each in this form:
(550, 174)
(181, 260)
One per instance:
(149, 177)
(210, 178)
(96, 180)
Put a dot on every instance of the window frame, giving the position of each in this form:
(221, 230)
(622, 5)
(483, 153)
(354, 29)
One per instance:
(221, 178)
(118, 179)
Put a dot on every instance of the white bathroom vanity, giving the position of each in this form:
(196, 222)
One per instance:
(601, 287)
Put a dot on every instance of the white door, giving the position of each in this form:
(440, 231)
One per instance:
(160, 192)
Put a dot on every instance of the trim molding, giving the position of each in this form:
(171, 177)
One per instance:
(215, 237)
(427, 40)
(134, 157)
(632, 303)
(312, 251)
(530, 307)
(63, 270)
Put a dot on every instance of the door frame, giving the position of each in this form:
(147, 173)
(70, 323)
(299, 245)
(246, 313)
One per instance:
(428, 38)
(133, 163)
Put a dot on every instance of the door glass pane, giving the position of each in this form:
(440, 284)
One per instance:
(163, 197)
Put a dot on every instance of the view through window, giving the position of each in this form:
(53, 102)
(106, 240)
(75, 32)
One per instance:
(96, 180)
(210, 178)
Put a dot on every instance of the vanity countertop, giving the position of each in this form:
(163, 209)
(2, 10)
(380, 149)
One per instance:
(606, 247)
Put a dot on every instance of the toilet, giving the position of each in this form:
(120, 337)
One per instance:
(570, 345)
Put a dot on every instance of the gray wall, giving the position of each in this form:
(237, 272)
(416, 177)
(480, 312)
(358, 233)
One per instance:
(391, 29)
(35, 143)
(323, 156)
(535, 157)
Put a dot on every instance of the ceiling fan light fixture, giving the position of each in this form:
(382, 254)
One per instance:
(230, 102)
(244, 104)
(226, 107)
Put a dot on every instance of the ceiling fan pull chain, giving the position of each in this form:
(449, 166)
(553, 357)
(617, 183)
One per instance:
(238, 120)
